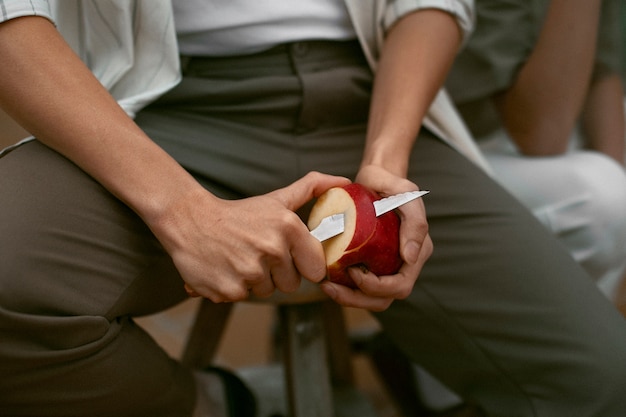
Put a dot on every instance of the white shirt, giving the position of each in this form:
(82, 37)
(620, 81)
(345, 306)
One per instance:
(235, 27)
(130, 46)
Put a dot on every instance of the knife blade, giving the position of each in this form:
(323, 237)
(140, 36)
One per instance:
(329, 227)
(333, 225)
(387, 204)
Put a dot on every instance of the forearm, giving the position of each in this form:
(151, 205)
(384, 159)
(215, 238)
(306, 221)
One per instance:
(603, 117)
(542, 106)
(47, 89)
(416, 57)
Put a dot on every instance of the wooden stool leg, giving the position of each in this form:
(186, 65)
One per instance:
(210, 322)
(338, 341)
(306, 366)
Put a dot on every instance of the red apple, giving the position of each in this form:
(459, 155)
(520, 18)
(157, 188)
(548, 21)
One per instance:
(367, 240)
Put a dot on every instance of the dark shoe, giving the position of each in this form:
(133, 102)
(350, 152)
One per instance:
(239, 400)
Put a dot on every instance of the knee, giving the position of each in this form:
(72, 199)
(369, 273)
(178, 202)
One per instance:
(604, 179)
(603, 183)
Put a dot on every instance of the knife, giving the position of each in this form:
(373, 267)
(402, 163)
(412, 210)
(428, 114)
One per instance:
(333, 225)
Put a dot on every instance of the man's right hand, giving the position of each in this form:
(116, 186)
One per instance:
(225, 249)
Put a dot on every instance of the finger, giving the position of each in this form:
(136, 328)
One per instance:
(411, 272)
(396, 286)
(259, 281)
(190, 291)
(383, 181)
(214, 296)
(306, 188)
(224, 289)
(308, 256)
(285, 276)
(263, 289)
(413, 231)
(350, 297)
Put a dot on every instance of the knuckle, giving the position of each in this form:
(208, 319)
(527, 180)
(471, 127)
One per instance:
(422, 227)
(430, 246)
(381, 305)
(255, 277)
(251, 272)
(284, 227)
(404, 293)
(217, 298)
(239, 293)
(291, 221)
(313, 175)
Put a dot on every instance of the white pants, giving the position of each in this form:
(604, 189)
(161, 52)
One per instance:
(580, 196)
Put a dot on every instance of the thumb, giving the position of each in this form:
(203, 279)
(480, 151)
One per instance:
(306, 188)
(413, 231)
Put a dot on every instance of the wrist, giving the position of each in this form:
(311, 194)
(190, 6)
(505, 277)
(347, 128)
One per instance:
(388, 156)
(172, 217)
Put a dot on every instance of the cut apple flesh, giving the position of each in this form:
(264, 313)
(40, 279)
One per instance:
(339, 200)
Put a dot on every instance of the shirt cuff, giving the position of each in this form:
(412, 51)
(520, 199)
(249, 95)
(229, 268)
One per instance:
(462, 10)
(11, 9)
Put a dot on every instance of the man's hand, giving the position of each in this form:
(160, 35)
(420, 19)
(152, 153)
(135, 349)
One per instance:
(226, 249)
(377, 293)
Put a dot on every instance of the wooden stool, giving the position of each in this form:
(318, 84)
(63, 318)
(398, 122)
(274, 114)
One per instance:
(315, 346)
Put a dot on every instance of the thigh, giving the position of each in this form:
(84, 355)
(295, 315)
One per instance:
(75, 247)
(76, 264)
(501, 313)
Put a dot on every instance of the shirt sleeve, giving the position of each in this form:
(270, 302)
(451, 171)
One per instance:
(505, 34)
(462, 10)
(11, 9)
